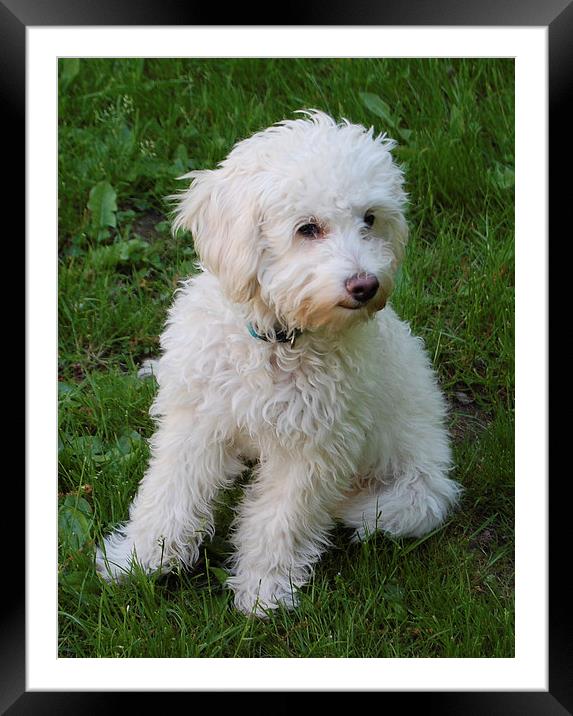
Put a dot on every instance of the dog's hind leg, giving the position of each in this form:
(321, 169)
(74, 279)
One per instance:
(410, 504)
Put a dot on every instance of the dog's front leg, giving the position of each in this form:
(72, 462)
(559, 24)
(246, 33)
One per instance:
(281, 530)
(172, 510)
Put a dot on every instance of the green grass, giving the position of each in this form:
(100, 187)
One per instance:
(128, 128)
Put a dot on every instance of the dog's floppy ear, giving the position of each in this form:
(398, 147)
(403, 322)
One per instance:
(223, 221)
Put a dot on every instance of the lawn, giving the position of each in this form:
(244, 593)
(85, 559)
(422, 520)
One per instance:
(127, 129)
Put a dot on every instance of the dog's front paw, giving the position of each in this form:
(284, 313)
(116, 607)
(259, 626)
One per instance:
(116, 559)
(260, 598)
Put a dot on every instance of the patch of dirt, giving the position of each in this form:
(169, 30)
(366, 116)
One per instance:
(74, 371)
(484, 540)
(467, 418)
(144, 224)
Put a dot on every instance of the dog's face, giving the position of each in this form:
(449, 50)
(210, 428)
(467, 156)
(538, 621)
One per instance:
(304, 220)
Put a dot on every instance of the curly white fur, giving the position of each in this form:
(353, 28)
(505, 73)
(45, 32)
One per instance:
(348, 423)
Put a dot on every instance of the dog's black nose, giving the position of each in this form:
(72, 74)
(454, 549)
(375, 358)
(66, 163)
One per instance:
(362, 287)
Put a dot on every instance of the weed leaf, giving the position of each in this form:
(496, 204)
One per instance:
(74, 521)
(503, 177)
(65, 390)
(102, 204)
(378, 107)
(87, 445)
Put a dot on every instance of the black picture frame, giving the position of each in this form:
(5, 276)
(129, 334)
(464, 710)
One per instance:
(557, 16)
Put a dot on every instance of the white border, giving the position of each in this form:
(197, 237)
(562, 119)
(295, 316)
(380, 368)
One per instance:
(528, 670)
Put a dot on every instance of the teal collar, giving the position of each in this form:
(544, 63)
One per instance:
(280, 336)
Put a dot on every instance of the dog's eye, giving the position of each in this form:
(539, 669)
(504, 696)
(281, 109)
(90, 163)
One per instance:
(310, 231)
(369, 219)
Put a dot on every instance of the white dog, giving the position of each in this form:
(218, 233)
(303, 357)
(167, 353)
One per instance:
(285, 351)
